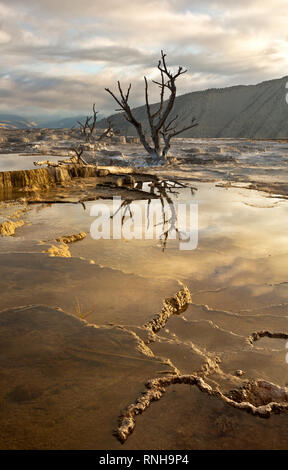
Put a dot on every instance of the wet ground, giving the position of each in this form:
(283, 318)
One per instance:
(78, 342)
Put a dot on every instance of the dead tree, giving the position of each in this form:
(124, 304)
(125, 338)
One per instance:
(158, 121)
(78, 150)
(89, 127)
(87, 130)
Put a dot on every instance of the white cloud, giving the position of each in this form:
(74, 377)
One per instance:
(4, 37)
(85, 46)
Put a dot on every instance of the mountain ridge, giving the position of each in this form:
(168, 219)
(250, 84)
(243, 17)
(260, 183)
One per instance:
(14, 121)
(246, 111)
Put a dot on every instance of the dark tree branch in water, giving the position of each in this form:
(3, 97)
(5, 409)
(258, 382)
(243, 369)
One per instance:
(163, 191)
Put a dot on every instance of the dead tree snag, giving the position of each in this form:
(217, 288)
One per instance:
(159, 123)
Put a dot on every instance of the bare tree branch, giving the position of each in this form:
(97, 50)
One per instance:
(79, 151)
(88, 128)
(157, 119)
(107, 132)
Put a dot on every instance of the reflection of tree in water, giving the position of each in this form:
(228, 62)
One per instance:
(164, 190)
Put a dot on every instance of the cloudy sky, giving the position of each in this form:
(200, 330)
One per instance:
(58, 55)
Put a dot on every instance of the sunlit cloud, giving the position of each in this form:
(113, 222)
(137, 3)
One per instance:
(76, 49)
